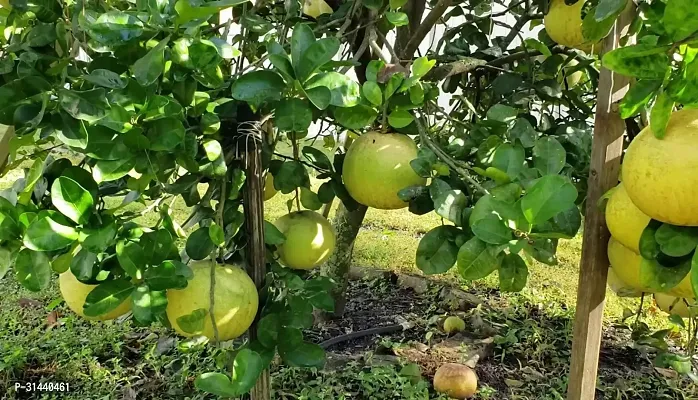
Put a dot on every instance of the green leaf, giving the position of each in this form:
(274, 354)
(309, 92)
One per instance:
(320, 96)
(317, 158)
(105, 144)
(7, 258)
(549, 156)
(421, 66)
(309, 199)
(33, 270)
(166, 134)
(216, 383)
(272, 234)
(678, 362)
(111, 170)
(550, 195)
(283, 64)
(213, 149)
(106, 297)
(649, 248)
(100, 239)
(400, 119)
(397, 18)
(199, 244)
(416, 94)
(258, 87)
(45, 234)
(510, 159)
(148, 68)
(506, 83)
(170, 274)
(193, 323)
(357, 117)
(291, 175)
(638, 97)
(247, 367)
(159, 107)
(513, 273)
(680, 19)
(659, 116)
(502, 113)
(640, 60)
(676, 241)
(372, 92)
(89, 105)
(115, 28)
(655, 276)
(316, 55)
(450, 205)
(148, 304)
(344, 91)
(303, 355)
(83, 265)
(476, 260)
(72, 132)
(41, 35)
(157, 246)
(523, 132)
(491, 229)
(71, 199)
(608, 8)
(437, 251)
(301, 39)
(105, 78)
(594, 29)
(215, 232)
(131, 258)
(293, 115)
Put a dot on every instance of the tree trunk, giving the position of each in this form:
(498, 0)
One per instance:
(346, 224)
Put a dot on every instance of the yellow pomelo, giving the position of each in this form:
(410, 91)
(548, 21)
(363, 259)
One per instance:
(626, 264)
(456, 381)
(563, 24)
(5, 4)
(377, 167)
(683, 289)
(269, 189)
(310, 239)
(75, 292)
(673, 305)
(454, 324)
(660, 174)
(624, 220)
(619, 287)
(315, 8)
(235, 301)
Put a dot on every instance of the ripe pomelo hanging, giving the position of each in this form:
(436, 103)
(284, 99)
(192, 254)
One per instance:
(235, 301)
(624, 220)
(310, 239)
(269, 189)
(563, 24)
(626, 264)
(619, 287)
(660, 174)
(377, 167)
(75, 292)
(315, 8)
(683, 289)
(673, 305)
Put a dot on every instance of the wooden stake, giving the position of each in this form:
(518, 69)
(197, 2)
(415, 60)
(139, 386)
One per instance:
(607, 149)
(256, 250)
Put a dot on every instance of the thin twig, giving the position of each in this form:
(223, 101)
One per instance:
(425, 27)
(393, 54)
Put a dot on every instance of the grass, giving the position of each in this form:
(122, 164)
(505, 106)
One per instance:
(116, 359)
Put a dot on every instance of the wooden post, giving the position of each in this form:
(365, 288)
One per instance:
(607, 149)
(253, 197)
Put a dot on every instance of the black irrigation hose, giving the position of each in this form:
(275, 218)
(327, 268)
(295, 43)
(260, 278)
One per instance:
(354, 335)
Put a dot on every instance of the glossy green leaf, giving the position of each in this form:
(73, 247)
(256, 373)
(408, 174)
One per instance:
(659, 116)
(661, 278)
(357, 117)
(71, 199)
(167, 275)
(293, 115)
(680, 19)
(491, 229)
(147, 304)
(88, 105)
(45, 234)
(272, 234)
(131, 258)
(550, 195)
(476, 260)
(105, 78)
(115, 28)
(301, 39)
(148, 68)
(199, 244)
(345, 92)
(638, 97)
(111, 170)
(450, 205)
(193, 323)
(676, 241)
(216, 383)
(509, 158)
(107, 296)
(317, 54)
(166, 134)
(397, 18)
(258, 87)
(437, 251)
(400, 118)
(640, 60)
(513, 273)
(549, 156)
(100, 239)
(247, 367)
(33, 270)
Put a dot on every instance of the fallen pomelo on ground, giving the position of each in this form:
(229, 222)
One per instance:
(673, 305)
(75, 292)
(310, 239)
(235, 302)
(624, 220)
(454, 324)
(377, 166)
(660, 176)
(455, 380)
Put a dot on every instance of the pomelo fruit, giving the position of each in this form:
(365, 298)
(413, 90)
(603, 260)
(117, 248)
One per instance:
(75, 292)
(454, 324)
(673, 305)
(626, 265)
(624, 220)
(235, 301)
(269, 189)
(619, 287)
(456, 381)
(563, 24)
(683, 289)
(310, 239)
(5, 4)
(660, 174)
(377, 167)
(315, 8)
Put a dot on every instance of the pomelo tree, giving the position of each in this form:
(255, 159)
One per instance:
(122, 108)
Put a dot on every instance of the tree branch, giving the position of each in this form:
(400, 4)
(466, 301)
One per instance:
(421, 32)
(457, 67)
(523, 20)
(415, 11)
